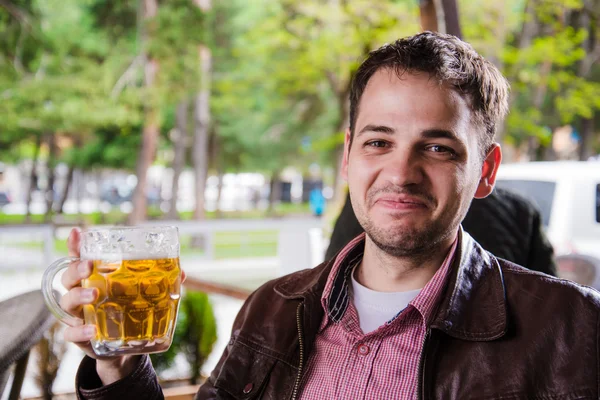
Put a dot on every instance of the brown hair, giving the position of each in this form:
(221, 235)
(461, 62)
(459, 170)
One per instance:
(450, 61)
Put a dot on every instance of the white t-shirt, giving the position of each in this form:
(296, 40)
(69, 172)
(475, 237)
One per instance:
(374, 309)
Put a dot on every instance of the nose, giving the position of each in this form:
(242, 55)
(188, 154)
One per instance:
(403, 169)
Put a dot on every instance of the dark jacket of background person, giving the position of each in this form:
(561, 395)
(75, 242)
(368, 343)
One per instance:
(504, 223)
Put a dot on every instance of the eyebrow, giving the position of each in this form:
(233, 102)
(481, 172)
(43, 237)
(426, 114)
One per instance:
(428, 133)
(440, 133)
(377, 128)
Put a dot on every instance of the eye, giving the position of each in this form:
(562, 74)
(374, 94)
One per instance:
(442, 151)
(436, 148)
(376, 143)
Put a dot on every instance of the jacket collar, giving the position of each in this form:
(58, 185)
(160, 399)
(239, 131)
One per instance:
(473, 306)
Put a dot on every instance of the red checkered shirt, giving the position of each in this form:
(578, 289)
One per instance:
(383, 364)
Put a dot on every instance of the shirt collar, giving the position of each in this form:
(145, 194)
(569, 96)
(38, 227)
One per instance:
(426, 301)
(335, 296)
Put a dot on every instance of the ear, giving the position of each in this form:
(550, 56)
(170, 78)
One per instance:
(346, 155)
(488, 172)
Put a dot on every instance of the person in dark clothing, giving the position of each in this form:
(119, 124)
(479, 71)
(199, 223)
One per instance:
(504, 223)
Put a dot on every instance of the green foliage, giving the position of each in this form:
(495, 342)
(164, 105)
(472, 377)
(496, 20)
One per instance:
(285, 73)
(280, 72)
(542, 61)
(195, 334)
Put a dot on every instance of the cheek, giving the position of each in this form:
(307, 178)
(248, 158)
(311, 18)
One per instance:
(449, 185)
(361, 174)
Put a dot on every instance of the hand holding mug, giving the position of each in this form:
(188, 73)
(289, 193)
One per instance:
(125, 284)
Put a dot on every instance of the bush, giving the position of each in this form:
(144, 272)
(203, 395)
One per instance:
(195, 334)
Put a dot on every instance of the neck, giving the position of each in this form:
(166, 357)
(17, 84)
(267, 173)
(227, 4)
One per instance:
(383, 272)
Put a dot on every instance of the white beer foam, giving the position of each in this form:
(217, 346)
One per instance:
(129, 256)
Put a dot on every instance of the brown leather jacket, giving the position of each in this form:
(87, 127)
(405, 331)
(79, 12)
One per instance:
(500, 332)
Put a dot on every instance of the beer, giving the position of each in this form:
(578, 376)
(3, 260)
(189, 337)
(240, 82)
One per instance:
(136, 273)
(137, 303)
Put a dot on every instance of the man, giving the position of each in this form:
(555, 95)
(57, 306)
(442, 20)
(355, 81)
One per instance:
(415, 308)
(503, 223)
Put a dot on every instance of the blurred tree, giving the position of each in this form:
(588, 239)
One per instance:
(308, 51)
(150, 132)
(50, 88)
(179, 137)
(202, 116)
(549, 53)
(279, 79)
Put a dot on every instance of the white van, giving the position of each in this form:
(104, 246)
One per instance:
(568, 196)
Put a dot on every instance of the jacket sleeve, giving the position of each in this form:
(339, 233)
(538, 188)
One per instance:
(142, 383)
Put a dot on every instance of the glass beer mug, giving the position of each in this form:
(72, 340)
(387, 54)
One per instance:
(136, 272)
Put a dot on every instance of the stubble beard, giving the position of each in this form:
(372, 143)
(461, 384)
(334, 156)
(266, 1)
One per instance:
(403, 242)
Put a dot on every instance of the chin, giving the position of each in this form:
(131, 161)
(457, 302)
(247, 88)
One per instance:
(402, 247)
(401, 226)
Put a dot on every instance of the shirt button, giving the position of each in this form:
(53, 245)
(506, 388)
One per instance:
(248, 388)
(363, 349)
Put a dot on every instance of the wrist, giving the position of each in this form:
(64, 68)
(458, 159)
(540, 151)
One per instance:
(114, 369)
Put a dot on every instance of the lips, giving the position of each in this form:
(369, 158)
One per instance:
(400, 202)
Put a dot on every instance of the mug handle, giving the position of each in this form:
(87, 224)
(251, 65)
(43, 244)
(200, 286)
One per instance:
(48, 292)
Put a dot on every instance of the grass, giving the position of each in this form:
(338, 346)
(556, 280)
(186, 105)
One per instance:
(228, 244)
(116, 217)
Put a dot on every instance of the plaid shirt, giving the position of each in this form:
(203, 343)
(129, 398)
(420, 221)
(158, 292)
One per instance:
(383, 364)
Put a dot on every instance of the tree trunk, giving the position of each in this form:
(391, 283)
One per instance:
(338, 153)
(218, 164)
(201, 126)
(587, 139)
(150, 131)
(180, 140)
(50, 166)
(339, 183)
(591, 46)
(538, 102)
(274, 191)
(202, 122)
(524, 40)
(218, 211)
(65, 193)
(428, 15)
(33, 177)
(440, 16)
(452, 21)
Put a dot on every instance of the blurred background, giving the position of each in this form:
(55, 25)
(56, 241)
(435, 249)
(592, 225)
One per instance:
(226, 118)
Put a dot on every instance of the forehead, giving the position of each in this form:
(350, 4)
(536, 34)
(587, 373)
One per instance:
(413, 101)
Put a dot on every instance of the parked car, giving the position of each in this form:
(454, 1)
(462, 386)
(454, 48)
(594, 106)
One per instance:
(568, 196)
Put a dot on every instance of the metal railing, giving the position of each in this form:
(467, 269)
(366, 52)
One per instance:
(298, 241)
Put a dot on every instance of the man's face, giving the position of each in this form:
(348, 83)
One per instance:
(414, 165)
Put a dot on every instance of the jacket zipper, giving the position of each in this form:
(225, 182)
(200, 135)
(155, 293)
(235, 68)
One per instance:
(421, 386)
(301, 344)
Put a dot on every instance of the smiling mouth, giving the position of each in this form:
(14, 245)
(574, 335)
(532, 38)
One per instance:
(401, 203)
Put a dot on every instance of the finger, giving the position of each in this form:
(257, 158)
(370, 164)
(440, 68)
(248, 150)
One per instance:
(75, 272)
(77, 297)
(73, 242)
(80, 335)
(183, 276)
